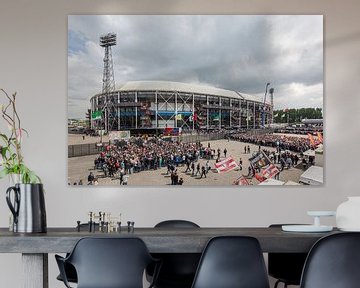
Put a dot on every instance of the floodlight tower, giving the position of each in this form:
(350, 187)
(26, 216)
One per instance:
(271, 91)
(108, 86)
(263, 108)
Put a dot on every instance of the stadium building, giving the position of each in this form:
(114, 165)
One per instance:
(152, 106)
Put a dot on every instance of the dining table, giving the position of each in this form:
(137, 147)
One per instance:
(35, 247)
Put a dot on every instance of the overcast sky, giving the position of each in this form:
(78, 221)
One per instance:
(237, 52)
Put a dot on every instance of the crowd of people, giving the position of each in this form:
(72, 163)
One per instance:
(140, 154)
(281, 142)
(120, 160)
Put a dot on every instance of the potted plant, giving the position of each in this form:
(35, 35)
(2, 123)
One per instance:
(26, 197)
(11, 159)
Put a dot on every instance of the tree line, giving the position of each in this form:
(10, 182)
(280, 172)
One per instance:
(296, 115)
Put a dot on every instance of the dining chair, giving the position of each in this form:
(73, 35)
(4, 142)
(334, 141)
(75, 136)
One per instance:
(333, 262)
(178, 269)
(285, 267)
(69, 269)
(108, 263)
(232, 262)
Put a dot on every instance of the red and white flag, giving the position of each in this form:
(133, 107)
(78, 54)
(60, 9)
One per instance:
(226, 165)
(311, 139)
(241, 181)
(320, 137)
(270, 171)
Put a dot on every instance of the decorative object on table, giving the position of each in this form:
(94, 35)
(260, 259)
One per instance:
(348, 215)
(102, 222)
(27, 205)
(131, 226)
(316, 227)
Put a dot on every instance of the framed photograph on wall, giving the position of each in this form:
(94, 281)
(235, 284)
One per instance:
(209, 100)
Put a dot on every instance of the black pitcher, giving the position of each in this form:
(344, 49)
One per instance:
(28, 208)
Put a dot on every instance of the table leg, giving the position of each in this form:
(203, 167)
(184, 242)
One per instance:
(35, 270)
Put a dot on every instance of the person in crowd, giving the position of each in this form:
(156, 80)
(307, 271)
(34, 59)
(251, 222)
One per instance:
(197, 169)
(207, 166)
(125, 180)
(203, 172)
(176, 178)
(91, 178)
(181, 181)
(187, 165)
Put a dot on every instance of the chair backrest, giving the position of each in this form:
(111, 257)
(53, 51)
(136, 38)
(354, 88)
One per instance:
(286, 266)
(232, 262)
(176, 224)
(110, 262)
(333, 262)
(178, 269)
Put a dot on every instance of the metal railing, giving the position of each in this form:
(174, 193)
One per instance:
(83, 150)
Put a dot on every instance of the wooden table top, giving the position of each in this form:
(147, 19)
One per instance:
(158, 240)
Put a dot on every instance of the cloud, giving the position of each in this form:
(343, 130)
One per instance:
(228, 51)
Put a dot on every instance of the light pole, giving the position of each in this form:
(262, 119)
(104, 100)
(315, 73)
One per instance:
(263, 108)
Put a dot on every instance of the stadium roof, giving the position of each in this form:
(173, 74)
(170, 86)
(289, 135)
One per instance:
(187, 88)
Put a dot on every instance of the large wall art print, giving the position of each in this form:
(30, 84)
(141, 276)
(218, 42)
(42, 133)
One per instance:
(195, 100)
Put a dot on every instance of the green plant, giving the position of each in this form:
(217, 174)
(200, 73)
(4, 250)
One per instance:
(12, 161)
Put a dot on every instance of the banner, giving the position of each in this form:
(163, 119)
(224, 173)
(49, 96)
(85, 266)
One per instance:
(96, 115)
(262, 162)
(226, 165)
(119, 135)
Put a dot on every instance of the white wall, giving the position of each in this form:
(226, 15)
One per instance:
(33, 62)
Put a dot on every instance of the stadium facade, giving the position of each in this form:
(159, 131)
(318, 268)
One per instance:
(156, 105)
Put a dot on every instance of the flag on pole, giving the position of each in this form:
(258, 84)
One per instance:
(226, 165)
(267, 168)
(270, 171)
(259, 177)
(178, 117)
(96, 115)
(312, 140)
(320, 137)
